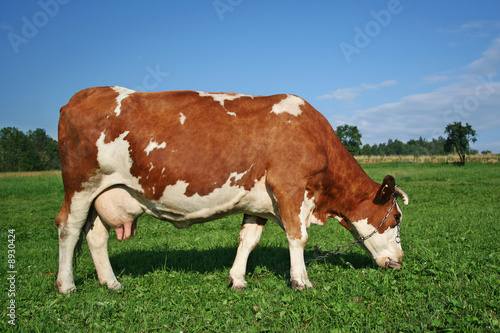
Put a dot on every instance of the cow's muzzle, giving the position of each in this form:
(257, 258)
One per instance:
(386, 262)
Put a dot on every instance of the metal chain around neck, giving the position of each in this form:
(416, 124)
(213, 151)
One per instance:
(346, 247)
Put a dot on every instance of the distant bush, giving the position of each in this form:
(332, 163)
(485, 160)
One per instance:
(33, 151)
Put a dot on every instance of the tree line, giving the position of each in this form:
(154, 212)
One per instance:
(420, 147)
(31, 151)
(457, 141)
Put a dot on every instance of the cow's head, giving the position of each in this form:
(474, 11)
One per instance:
(380, 217)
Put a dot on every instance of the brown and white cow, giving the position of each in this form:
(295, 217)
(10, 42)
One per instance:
(189, 157)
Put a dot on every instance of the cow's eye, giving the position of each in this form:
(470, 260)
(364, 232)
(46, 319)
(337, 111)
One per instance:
(398, 218)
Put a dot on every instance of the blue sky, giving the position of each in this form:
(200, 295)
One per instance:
(396, 69)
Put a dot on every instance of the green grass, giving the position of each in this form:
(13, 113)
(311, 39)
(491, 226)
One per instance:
(175, 280)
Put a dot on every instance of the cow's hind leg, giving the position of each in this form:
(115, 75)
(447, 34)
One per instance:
(250, 233)
(97, 239)
(69, 229)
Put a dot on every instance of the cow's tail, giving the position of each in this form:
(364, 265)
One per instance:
(77, 252)
(89, 223)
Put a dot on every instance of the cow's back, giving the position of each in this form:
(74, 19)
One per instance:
(149, 141)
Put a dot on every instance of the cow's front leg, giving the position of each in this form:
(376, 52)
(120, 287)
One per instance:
(97, 238)
(298, 272)
(250, 233)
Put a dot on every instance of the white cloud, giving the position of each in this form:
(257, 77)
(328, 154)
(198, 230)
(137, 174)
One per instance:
(489, 62)
(341, 94)
(6, 27)
(475, 29)
(472, 96)
(353, 92)
(440, 77)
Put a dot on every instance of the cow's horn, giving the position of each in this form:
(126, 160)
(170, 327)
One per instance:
(402, 194)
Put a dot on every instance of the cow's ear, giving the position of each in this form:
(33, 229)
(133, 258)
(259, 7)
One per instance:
(386, 190)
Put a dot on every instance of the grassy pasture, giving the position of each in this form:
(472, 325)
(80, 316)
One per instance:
(175, 280)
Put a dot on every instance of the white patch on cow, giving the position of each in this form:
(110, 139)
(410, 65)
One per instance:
(306, 210)
(222, 97)
(219, 201)
(154, 145)
(298, 272)
(229, 198)
(291, 104)
(260, 201)
(122, 94)
(115, 162)
(379, 245)
(182, 118)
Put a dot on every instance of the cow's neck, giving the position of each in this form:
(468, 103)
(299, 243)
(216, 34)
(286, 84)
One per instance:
(350, 186)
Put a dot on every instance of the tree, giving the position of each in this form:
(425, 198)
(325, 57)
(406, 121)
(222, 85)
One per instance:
(459, 137)
(350, 137)
(399, 147)
(16, 152)
(27, 152)
(366, 150)
(47, 149)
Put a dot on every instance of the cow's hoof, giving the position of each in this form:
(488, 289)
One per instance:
(62, 290)
(71, 290)
(239, 288)
(235, 286)
(114, 285)
(301, 286)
